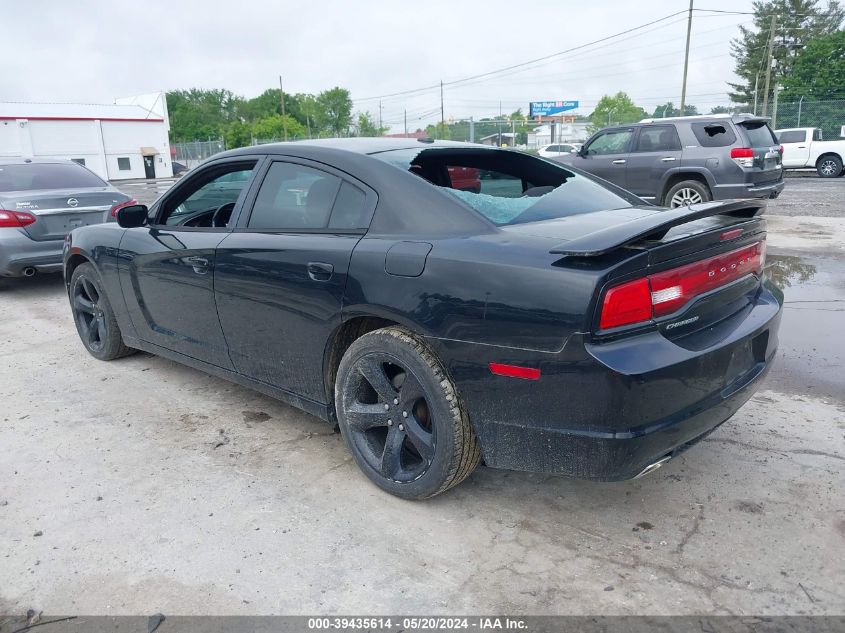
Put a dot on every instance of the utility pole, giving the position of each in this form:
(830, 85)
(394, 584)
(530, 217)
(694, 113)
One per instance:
(379, 115)
(282, 97)
(471, 130)
(686, 60)
(775, 107)
(756, 82)
(405, 113)
(442, 111)
(768, 66)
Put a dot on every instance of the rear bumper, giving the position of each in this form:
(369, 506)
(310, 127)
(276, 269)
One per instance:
(591, 417)
(18, 252)
(748, 190)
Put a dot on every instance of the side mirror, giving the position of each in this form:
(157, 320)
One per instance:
(132, 216)
(582, 151)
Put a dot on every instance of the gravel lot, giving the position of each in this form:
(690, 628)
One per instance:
(142, 486)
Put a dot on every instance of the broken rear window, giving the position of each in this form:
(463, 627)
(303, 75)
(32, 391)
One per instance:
(509, 187)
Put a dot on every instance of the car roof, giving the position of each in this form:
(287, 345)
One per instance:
(358, 145)
(34, 161)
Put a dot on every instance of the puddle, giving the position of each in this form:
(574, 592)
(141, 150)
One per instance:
(811, 354)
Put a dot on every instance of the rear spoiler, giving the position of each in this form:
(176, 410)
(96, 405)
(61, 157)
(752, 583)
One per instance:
(653, 227)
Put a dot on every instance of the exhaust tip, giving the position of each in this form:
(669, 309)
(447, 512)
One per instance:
(29, 271)
(654, 466)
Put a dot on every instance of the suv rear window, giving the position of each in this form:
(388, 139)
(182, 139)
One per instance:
(713, 134)
(759, 134)
(35, 176)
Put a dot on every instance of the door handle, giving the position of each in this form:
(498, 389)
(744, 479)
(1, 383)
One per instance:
(668, 159)
(621, 161)
(802, 147)
(199, 264)
(320, 271)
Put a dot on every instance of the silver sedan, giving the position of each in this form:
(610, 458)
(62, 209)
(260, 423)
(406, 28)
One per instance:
(41, 201)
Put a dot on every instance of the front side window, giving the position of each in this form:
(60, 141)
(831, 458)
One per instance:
(207, 201)
(658, 138)
(294, 197)
(611, 142)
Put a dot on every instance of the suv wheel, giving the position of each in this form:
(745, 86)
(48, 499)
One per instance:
(829, 167)
(685, 193)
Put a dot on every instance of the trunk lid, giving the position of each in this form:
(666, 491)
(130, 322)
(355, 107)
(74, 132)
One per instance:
(697, 268)
(59, 211)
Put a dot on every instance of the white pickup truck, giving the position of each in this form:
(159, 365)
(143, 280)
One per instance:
(803, 147)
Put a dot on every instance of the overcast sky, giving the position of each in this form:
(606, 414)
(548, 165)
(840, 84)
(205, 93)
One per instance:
(94, 52)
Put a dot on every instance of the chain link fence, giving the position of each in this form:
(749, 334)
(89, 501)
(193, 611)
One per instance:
(193, 153)
(829, 115)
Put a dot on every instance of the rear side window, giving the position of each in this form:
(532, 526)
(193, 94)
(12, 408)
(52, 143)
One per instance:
(350, 209)
(658, 138)
(792, 136)
(35, 176)
(713, 134)
(817, 134)
(759, 134)
(294, 197)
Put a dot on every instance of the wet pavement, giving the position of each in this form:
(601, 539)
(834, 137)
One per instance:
(811, 354)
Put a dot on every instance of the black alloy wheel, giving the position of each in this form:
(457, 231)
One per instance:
(389, 419)
(400, 415)
(93, 316)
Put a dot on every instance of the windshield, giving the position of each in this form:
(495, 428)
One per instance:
(509, 187)
(36, 176)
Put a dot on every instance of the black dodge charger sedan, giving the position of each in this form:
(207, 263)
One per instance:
(548, 322)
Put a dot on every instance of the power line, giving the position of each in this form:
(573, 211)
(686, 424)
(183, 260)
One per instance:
(523, 64)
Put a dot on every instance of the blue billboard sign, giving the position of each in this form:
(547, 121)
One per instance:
(550, 108)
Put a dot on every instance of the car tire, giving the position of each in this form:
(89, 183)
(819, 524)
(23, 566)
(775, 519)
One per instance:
(401, 417)
(687, 192)
(829, 166)
(93, 315)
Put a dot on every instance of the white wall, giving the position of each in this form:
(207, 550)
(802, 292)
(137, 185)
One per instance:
(126, 138)
(100, 143)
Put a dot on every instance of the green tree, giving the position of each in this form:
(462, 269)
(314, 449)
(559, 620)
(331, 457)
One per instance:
(273, 128)
(197, 114)
(617, 109)
(365, 125)
(334, 111)
(797, 22)
(722, 110)
(237, 134)
(819, 69)
(669, 109)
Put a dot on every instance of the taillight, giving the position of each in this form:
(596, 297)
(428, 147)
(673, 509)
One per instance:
(666, 292)
(625, 304)
(118, 207)
(743, 156)
(780, 149)
(16, 219)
